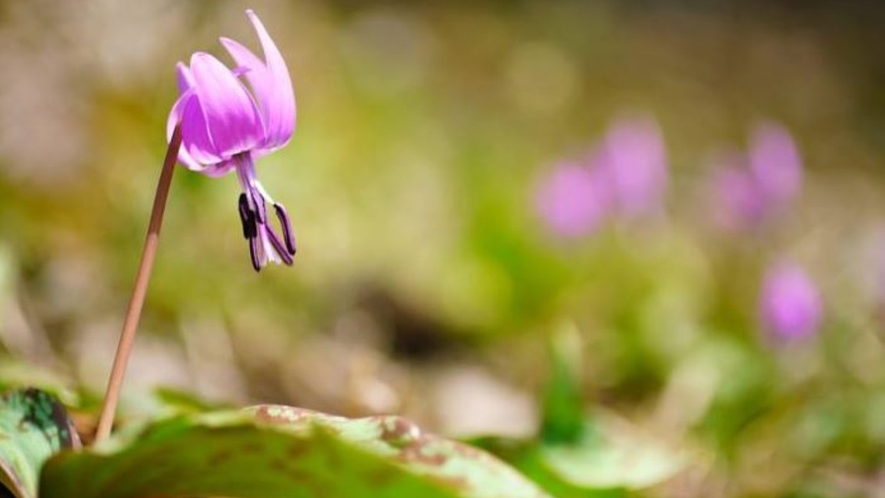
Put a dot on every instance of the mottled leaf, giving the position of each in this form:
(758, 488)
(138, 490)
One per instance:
(471, 471)
(15, 374)
(33, 426)
(271, 451)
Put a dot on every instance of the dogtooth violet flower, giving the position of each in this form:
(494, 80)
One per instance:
(572, 200)
(790, 304)
(625, 174)
(635, 159)
(754, 187)
(225, 127)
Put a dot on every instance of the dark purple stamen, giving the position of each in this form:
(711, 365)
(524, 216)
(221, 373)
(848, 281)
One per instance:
(258, 201)
(278, 245)
(253, 253)
(287, 227)
(247, 217)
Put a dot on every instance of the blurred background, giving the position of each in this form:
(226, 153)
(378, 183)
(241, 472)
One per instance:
(637, 246)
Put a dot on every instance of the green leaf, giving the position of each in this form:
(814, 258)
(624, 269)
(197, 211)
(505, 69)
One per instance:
(33, 426)
(611, 459)
(275, 451)
(177, 402)
(15, 375)
(563, 408)
(626, 463)
(473, 472)
(526, 456)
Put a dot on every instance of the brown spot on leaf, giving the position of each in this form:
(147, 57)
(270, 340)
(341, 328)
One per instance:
(280, 414)
(398, 431)
(220, 458)
(424, 454)
(295, 450)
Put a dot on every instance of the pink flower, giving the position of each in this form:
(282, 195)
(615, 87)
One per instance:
(625, 175)
(572, 200)
(635, 160)
(752, 189)
(740, 202)
(775, 163)
(790, 305)
(225, 127)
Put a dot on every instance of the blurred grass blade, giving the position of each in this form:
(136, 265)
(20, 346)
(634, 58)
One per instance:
(281, 452)
(33, 426)
(563, 409)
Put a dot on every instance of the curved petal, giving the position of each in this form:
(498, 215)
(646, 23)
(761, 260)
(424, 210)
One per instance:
(270, 81)
(195, 138)
(184, 77)
(197, 141)
(219, 169)
(175, 117)
(255, 71)
(233, 121)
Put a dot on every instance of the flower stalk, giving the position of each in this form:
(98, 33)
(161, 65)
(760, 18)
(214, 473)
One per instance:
(133, 313)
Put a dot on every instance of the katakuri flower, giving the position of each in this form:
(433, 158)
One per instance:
(790, 304)
(776, 163)
(739, 203)
(636, 162)
(625, 174)
(226, 127)
(753, 188)
(572, 199)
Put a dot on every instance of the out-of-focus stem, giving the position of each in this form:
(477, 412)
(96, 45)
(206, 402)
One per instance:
(130, 324)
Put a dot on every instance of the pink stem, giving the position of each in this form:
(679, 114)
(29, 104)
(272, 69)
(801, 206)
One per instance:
(130, 324)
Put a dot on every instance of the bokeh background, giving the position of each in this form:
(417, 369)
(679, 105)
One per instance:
(462, 260)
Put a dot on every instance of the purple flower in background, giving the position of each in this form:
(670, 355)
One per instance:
(741, 202)
(790, 305)
(636, 163)
(226, 127)
(626, 173)
(752, 189)
(775, 163)
(572, 200)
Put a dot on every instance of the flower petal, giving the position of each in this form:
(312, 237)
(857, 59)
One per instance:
(184, 77)
(175, 117)
(232, 119)
(195, 139)
(219, 169)
(255, 71)
(271, 83)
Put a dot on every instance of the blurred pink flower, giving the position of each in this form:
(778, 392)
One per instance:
(635, 160)
(775, 163)
(748, 190)
(625, 175)
(572, 200)
(790, 305)
(740, 203)
(225, 127)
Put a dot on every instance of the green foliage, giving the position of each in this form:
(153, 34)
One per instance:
(611, 459)
(414, 172)
(581, 455)
(563, 404)
(33, 426)
(274, 451)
